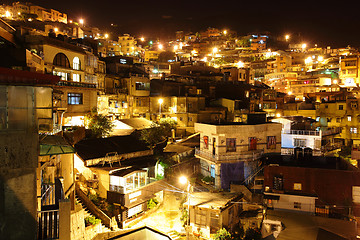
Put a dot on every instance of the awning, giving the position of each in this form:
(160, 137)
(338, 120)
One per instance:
(272, 197)
(54, 145)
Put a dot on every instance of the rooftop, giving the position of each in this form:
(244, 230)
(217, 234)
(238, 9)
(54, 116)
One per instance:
(212, 200)
(99, 147)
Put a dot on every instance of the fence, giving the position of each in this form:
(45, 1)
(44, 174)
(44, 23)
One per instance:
(48, 223)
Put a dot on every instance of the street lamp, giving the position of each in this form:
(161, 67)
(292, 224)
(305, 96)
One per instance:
(160, 101)
(81, 21)
(183, 180)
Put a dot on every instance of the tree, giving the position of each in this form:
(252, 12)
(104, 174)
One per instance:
(158, 132)
(166, 56)
(99, 124)
(222, 234)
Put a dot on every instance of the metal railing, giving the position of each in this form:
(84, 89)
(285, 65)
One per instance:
(48, 224)
(302, 132)
(47, 194)
(241, 156)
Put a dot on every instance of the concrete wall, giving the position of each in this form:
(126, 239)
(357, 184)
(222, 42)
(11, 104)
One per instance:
(18, 163)
(286, 202)
(241, 133)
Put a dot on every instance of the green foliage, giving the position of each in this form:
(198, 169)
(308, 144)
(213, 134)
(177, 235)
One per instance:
(208, 179)
(151, 203)
(222, 234)
(99, 124)
(94, 198)
(158, 133)
(91, 220)
(165, 56)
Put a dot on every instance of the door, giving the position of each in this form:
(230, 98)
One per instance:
(214, 145)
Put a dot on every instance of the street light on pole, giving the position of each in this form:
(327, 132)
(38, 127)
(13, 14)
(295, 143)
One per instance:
(183, 180)
(160, 101)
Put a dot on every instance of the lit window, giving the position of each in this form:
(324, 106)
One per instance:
(75, 98)
(76, 77)
(353, 130)
(76, 63)
(297, 186)
(349, 118)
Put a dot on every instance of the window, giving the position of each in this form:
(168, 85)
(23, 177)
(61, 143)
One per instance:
(76, 77)
(141, 86)
(299, 142)
(63, 76)
(350, 63)
(349, 118)
(278, 182)
(338, 120)
(231, 145)
(341, 107)
(75, 98)
(76, 63)
(200, 217)
(297, 186)
(61, 60)
(206, 142)
(297, 205)
(252, 143)
(271, 142)
(353, 130)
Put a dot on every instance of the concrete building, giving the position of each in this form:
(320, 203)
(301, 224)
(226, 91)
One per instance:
(324, 187)
(24, 110)
(210, 212)
(127, 44)
(230, 153)
(349, 70)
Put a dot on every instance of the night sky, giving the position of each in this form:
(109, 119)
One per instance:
(324, 23)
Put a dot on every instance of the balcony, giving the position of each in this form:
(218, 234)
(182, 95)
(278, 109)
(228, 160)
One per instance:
(302, 132)
(136, 196)
(76, 84)
(240, 156)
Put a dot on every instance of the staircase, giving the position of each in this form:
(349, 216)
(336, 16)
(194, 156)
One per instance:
(93, 210)
(89, 214)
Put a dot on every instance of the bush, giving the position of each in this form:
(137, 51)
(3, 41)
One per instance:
(222, 234)
(91, 220)
(151, 203)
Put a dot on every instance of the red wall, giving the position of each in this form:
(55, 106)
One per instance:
(333, 187)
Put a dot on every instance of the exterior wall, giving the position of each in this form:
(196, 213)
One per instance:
(19, 146)
(50, 52)
(241, 133)
(333, 187)
(238, 164)
(313, 142)
(293, 203)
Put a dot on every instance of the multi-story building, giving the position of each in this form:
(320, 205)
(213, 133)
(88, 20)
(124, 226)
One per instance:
(230, 153)
(127, 44)
(327, 188)
(25, 110)
(280, 81)
(349, 70)
(75, 95)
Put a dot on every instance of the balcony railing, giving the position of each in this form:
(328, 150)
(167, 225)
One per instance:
(47, 194)
(241, 156)
(302, 132)
(48, 223)
(76, 84)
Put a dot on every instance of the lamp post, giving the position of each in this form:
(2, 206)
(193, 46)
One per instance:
(183, 180)
(160, 101)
